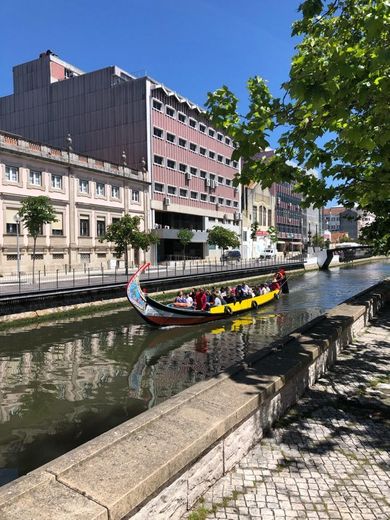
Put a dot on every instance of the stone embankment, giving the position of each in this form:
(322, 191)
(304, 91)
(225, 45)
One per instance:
(157, 465)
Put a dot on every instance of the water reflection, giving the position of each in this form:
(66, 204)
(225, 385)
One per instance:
(65, 382)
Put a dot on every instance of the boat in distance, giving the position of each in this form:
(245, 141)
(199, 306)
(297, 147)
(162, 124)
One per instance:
(166, 315)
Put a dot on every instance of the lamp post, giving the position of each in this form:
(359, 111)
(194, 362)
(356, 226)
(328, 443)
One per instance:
(309, 237)
(17, 219)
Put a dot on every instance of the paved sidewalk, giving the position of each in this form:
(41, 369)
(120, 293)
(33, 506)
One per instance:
(328, 458)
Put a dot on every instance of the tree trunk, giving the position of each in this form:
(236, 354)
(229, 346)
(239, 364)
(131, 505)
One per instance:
(127, 261)
(33, 269)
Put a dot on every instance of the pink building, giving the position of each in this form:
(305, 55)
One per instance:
(115, 116)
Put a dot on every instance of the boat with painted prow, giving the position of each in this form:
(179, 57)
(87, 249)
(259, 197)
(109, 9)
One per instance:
(161, 315)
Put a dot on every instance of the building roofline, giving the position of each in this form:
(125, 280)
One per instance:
(14, 143)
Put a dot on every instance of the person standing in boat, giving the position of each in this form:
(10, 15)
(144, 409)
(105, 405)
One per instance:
(282, 279)
(201, 300)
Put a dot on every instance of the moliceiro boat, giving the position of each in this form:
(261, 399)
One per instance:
(160, 315)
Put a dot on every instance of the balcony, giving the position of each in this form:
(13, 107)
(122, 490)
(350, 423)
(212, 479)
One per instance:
(171, 234)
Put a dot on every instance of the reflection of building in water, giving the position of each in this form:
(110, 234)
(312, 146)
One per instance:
(72, 371)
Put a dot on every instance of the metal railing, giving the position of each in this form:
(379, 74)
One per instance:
(66, 278)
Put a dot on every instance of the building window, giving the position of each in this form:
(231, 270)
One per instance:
(181, 117)
(192, 123)
(254, 215)
(100, 227)
(114, 220)
(202, 151)
(202, 128)
(158, 160)
(57, 227)
(158, 187)
(203, 197)
(219, 137)
(194, 194)
(157, 105)
(228, 202)
(84, 226)
(220, 180)
(183, 193)
(227, 161)
(12, 258)
(211, 154)
(58, 256)
(220, 201)
(171, 164)
(101, 255)
(12, 173)
(83, 186)
(115, 191)
(171, 138)
(203, 174)
(157, 132)
(182, 142)
(211, 132)
(235, 164)
(182, 167)
(228, 182)
(56, 182)
(269, 217)
(235, 204)
(169, 111)
(212, 177)
(35, 178)
(219, 158)
(37, 256)
(193, 171)
(193, 147)
(100, 189)
(12, 228)
(212, 198)
(85, 258)
(135, 196)
(227, 140)
(171, 190)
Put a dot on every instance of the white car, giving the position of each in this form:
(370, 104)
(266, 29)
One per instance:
(268, 253)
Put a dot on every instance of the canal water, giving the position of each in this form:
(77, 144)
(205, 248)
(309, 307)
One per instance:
(64, 382)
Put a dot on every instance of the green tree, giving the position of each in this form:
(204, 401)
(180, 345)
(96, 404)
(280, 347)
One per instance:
(185, 236)
(254, 228)
(334, 111)
(318, 241)
(125, 233)
(223, 238)
(273, 234)
(35, 212)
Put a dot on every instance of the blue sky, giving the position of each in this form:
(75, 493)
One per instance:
(193, 46)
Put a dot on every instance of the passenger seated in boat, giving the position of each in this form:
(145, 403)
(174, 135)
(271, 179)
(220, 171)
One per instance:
(248, 293)
(230, 297)
(217, 300)
(189, 300)
(257, 291)
(263, 289)
(180, 300)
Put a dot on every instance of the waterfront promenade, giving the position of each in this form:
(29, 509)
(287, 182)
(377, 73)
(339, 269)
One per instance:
(328, 458)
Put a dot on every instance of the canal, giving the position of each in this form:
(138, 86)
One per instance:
(64, 382)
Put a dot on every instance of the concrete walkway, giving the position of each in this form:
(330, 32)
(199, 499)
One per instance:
(328, 458)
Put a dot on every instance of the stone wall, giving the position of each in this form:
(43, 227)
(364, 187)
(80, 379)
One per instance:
(158, 464)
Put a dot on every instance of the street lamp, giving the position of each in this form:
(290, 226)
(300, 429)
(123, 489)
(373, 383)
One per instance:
(17, 219)
(309, 236)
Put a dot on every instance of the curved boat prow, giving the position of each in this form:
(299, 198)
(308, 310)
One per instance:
(134, 292)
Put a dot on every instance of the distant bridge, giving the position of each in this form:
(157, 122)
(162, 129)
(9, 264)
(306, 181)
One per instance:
(347, 253)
